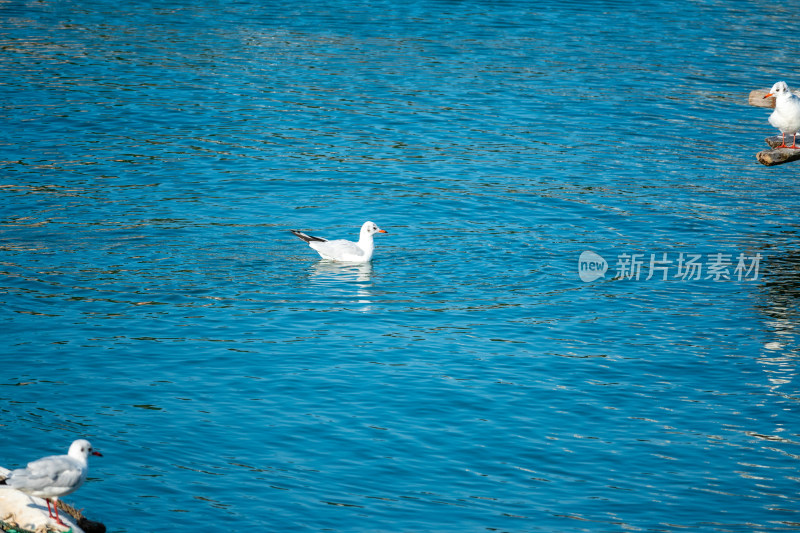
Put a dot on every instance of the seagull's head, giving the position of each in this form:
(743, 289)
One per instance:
(778, 89)
(370, 228)
(82, 449)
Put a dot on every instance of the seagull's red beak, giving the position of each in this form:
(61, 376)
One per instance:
(98, 454)
(382, 231)
(768, 95)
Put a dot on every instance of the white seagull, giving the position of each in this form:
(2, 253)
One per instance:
(786, 116)
(53, 476)
(343, 250)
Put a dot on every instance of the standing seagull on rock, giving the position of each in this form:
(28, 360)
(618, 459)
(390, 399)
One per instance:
(786, 116)
(343, 250)
(53, 476)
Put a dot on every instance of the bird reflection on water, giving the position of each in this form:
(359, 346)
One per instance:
(346, 279)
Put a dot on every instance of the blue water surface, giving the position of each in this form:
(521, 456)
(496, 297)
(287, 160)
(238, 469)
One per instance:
(155, 155)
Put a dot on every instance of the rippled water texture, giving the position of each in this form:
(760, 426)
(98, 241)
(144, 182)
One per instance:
(154, 157)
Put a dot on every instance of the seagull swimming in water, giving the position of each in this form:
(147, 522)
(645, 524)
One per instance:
(343, 250)
(786, 116)
(54, 476)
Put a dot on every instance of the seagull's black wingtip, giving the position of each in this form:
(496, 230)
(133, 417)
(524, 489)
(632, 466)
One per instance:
(307, 238)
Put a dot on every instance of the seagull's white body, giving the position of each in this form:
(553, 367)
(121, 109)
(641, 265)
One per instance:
(54, 476)
(786, 116)
(343, 250)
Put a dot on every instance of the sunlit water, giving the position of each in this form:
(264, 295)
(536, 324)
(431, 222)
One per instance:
(155, 155)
